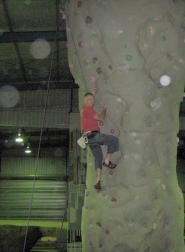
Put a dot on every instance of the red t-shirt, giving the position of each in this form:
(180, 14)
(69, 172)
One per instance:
(88, 122)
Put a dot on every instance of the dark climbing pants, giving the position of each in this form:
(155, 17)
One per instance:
(96, 140)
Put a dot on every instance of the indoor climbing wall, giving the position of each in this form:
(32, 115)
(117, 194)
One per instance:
(132, 52)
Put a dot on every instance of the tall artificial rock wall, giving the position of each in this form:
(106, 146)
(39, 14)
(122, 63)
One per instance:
(133, 52)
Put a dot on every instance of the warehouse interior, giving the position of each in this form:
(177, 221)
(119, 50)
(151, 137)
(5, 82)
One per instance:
(43, 170)
(42, 177)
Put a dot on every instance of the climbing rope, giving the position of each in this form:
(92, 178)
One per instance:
(38, 153)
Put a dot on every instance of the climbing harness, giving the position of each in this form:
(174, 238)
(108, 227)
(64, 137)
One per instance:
(82, 141)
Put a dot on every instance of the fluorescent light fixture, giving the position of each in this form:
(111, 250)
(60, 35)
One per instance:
(28, 150)
(19, 137)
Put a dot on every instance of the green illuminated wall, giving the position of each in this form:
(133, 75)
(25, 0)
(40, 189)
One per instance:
(47, 167)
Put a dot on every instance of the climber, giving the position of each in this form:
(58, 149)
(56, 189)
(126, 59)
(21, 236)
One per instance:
(90, 120)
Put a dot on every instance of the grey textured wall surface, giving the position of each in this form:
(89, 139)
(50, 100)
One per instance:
(123, 48)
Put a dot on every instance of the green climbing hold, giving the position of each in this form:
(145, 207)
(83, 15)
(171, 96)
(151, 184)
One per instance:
(164, 38)
(129, 57)
(88, 20)
(99, 70)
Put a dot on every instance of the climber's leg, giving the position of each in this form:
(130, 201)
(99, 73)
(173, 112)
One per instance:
(108, 158)
(98, 156)
(112, 146)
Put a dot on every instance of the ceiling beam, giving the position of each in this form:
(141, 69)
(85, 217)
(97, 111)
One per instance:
(16, 37)
(41, 85)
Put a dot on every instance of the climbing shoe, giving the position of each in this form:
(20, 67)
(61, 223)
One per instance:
(98, 185)
(110, 165)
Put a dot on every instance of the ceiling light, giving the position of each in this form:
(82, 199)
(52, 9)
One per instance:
(28, 150)
(19, 137)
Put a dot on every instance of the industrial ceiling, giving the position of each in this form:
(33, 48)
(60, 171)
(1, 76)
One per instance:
(33, 43)
(33, 58)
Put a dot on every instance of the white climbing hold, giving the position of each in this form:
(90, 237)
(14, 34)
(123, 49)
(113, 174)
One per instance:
(120, 31)
(136, 156)
(138, 141)
(119, 100)
(156, 104)
(134, 134)
(181, 61)
(152, 30)
(165, 80)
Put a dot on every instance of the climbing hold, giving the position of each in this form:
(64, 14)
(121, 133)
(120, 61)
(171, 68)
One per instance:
(88, 20)
(105, 81)
(111, 172)
(107, 231)
(164, 38)
(99, 70)
(95, 59)
(110, 67)
(138, 141)
(112, 131)
(152, 30)
(119, 100)
(80, 44)
(156, 104)
(165, 80)
(79, 4)
(129, 57)
(134, 134)
(114, 199)
(120, 31)
(98, 224)
(100, 245)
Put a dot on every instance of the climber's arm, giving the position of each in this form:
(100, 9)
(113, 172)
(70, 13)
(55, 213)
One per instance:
(101, 115)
